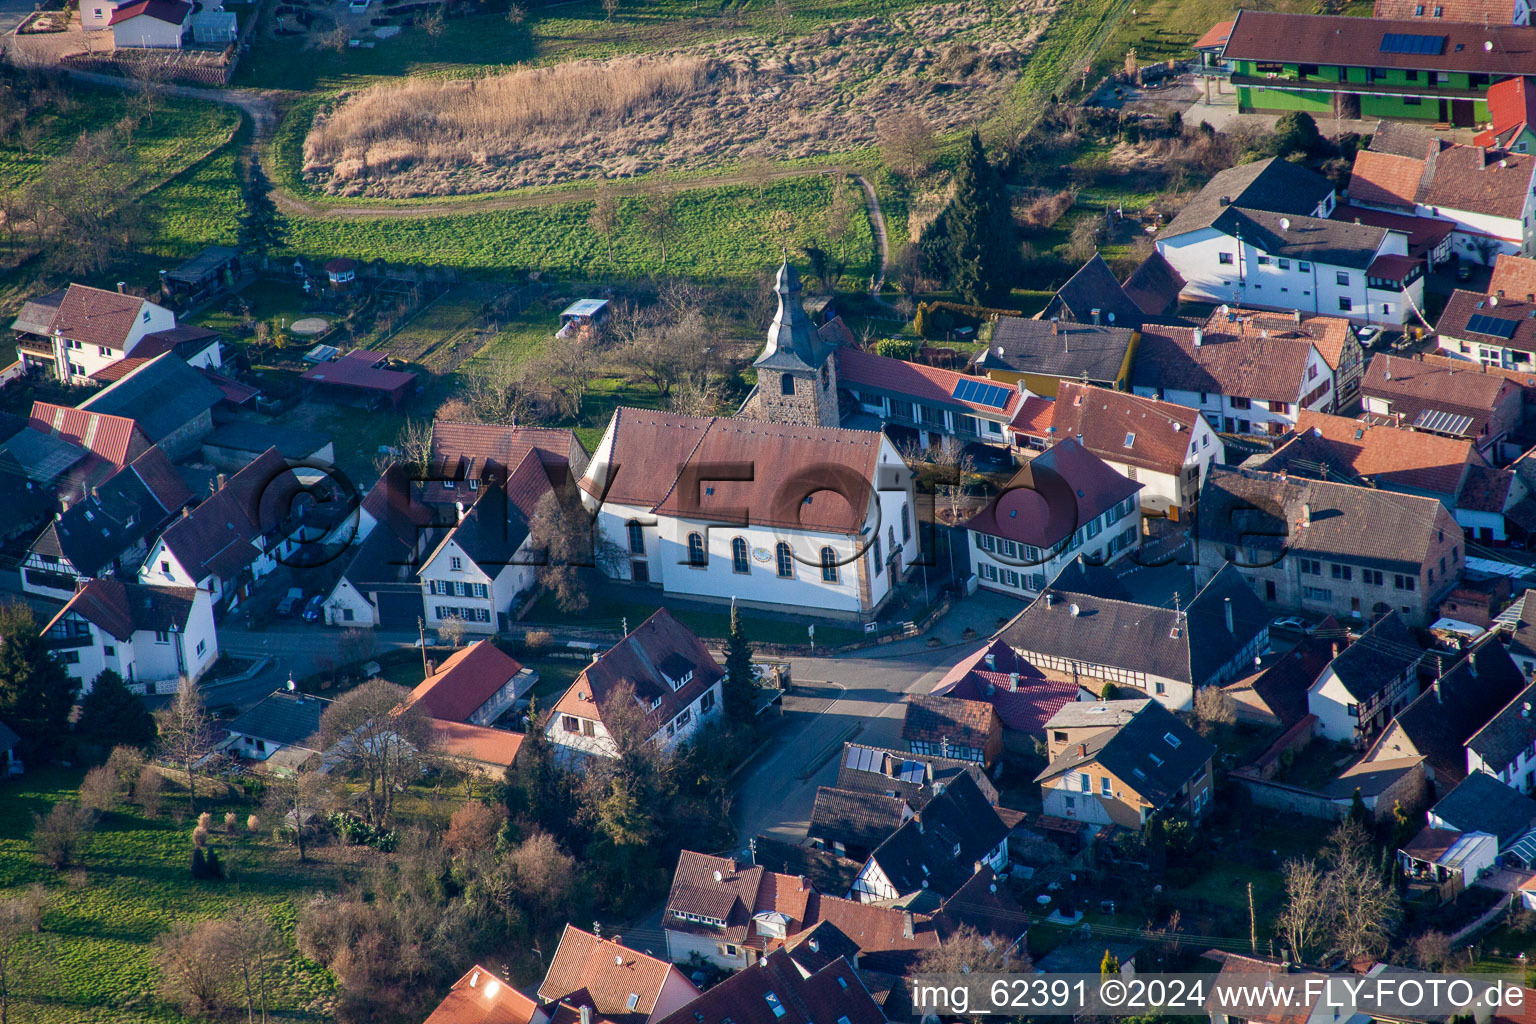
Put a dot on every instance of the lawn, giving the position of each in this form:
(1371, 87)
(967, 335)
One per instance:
(438, 322)
(93, 959)
(611, 611)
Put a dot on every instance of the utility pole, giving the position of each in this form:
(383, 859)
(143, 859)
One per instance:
(1253, 924)
(421, 631)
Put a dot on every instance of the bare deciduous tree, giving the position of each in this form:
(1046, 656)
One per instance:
(294, 800)
(18, 916)
(499, 389)
(253, 952)
(60, 836)
(604, 218)
(660, 218)
(970, 952)
(148, 790)
(568, 544)
(450, 630)
(1214, 706)
(186, 734)
(1345, 902)
(193, 970)
(907, 143)
(951, 468)
(1303, 924)
(473, 829)
(380, 738)
(100, 790)
(696, 395)
(432, 24)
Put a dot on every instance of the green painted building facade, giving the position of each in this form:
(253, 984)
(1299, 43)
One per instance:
(1452, 97)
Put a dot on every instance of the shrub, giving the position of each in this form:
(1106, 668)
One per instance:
(537, 639)
(231, 821)
(896, 348)
(61, 837)
(252, 823)
(148, 791)
(100, 790)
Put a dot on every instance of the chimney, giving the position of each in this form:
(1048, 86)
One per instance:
(219, 482)
(1335, 648)
(1439, 698)
(122, 287)
(991, 660)
(1013, 682)
(431, 667)
(1055, 327)
(1306, 513)
(1227, 606)
(1082, 750)
(1199, 337)
(185, 511)
(586, 1015)
(1296, 316)
(906, 928)
(1095, 314)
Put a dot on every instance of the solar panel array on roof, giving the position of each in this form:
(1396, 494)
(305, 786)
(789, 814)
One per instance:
(1441, 422)
(1493, 326)
(1406, 42)
(980, 392)
(864, 759)
(912, 771)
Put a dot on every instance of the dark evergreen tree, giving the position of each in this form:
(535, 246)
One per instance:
(199, 864)
(113, 716)
(979, 222)
(260, 229)
(738, 688)
(36, 694)
(1357, 812)
(535, 788)
(212, 866)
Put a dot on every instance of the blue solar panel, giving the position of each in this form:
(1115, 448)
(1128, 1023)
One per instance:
(1405, 42)
(980, 392)
(1493, 326)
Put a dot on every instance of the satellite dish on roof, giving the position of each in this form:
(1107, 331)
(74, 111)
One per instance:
(1488, 46)
(1285, 223)
(719, 877)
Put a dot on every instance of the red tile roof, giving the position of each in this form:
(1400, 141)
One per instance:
(217, 536)
(173, 12)
(774, 991)
(1215, 37)
(185, 341)
(1413, 385)
(1385, 179)
(463, 451)
(925, 383)
(480, 997)
(1350, 42)
(119, 369)
(1035, 415)
(476, 743)
(1025, 704)
(933, 718)
(234, 392)
(1229, 363)
(1483, 12)
(95, 316)
(1515, 276)
(1511, 107)
(1383, 455)
(1101, 420)
(161, 478)
(1050, 497)
(122, 609)
(465, 681)
(117, 439)
(1328, 334)
(602, 974)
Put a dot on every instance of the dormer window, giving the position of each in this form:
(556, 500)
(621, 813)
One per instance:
(474, 484)
(1172, 740)
(681, 681)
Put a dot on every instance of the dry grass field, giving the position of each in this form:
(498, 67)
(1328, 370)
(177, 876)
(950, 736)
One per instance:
(699, 107)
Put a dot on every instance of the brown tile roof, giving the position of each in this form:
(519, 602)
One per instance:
(1525, 380)
(120, 369)
(480, 997)
(874, 929)
(1271, 369)
(1154, 286)
(1413, 386)
(774, 991)
(465, 450)
(95, 316)
(659, 645)
(1424, 233)
(1328, 334)
(1515, 276)
(654, 453)
(1385, 179)
(465, 681)
(1235, 968)
(935, 719)
(1352, 42)
(1486, 489)
(122, 609)
(1102, 420)
(217, 536)
(741, 891)
(185, 340)
(1081, 487)
(1024, 704)
(602, 974)
(1034, 416)
(1386, 456)
(1215, 37)
(1484, 12)
(1516, 314)
(1282, 684)
(925, 383)
(1469, 178)
(986, 905)
(855, 818)
(117, 439)
(477, 743)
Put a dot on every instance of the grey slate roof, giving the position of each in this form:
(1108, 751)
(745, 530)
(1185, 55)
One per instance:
(1056, 350)
(1191, 646)
(923, 853)
(1273, 185)
(910, 776)
(1481, 803)
(283, 717)
(854, 818)
(793, 341)
(36, 316)
(1265, 511)
(161, 396)
(1511, 731)
(1382, 653)
(828, 872)
(250, 436)
(1154, 753)
(1337, 243)
(43, 457)
(1093, 287)
(121, 512)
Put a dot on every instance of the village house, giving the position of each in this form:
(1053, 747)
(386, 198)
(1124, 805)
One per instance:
(1259, 235)
(802, 518)
(779, 989)
(107, 532)
(1039, 354)
(1485, 194)
(941, 405)
(151, 24)
(1368, 681)
(1064, 503)
(283, 722)
(663, 667)
(1165, 447)
(1088, 630)
(1155, 286)
(952, 727)
(611, 981)
(79, 330)
(1474, 827)
(1495, 329)
(1438, 724)
(1022, 699)
(1241, 384)
(1093, 295)
(957, 834)
(1441, 398)
(115, 441)
(1330, 548)
(915, 778)
(231, 445)
(1490, 12)
(153, 636)
(464, 456)
(851, 822)
(483, 997)
(235, 537)
(378, 587)
(1334, 338)
(474, 685)
(1481, 803)
(1141, 760)
(1505, 748)
(169, 401)
(1275, 692)
(1415, 68)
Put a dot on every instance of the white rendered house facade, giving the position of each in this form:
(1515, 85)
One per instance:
(149, 660)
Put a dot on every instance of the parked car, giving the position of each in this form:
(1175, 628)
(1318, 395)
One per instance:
(1368, 333)
(314, 611)
(1463, 271)
(1296, 623)
(291, 602)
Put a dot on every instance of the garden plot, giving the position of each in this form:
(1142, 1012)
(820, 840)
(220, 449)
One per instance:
(708, 105)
